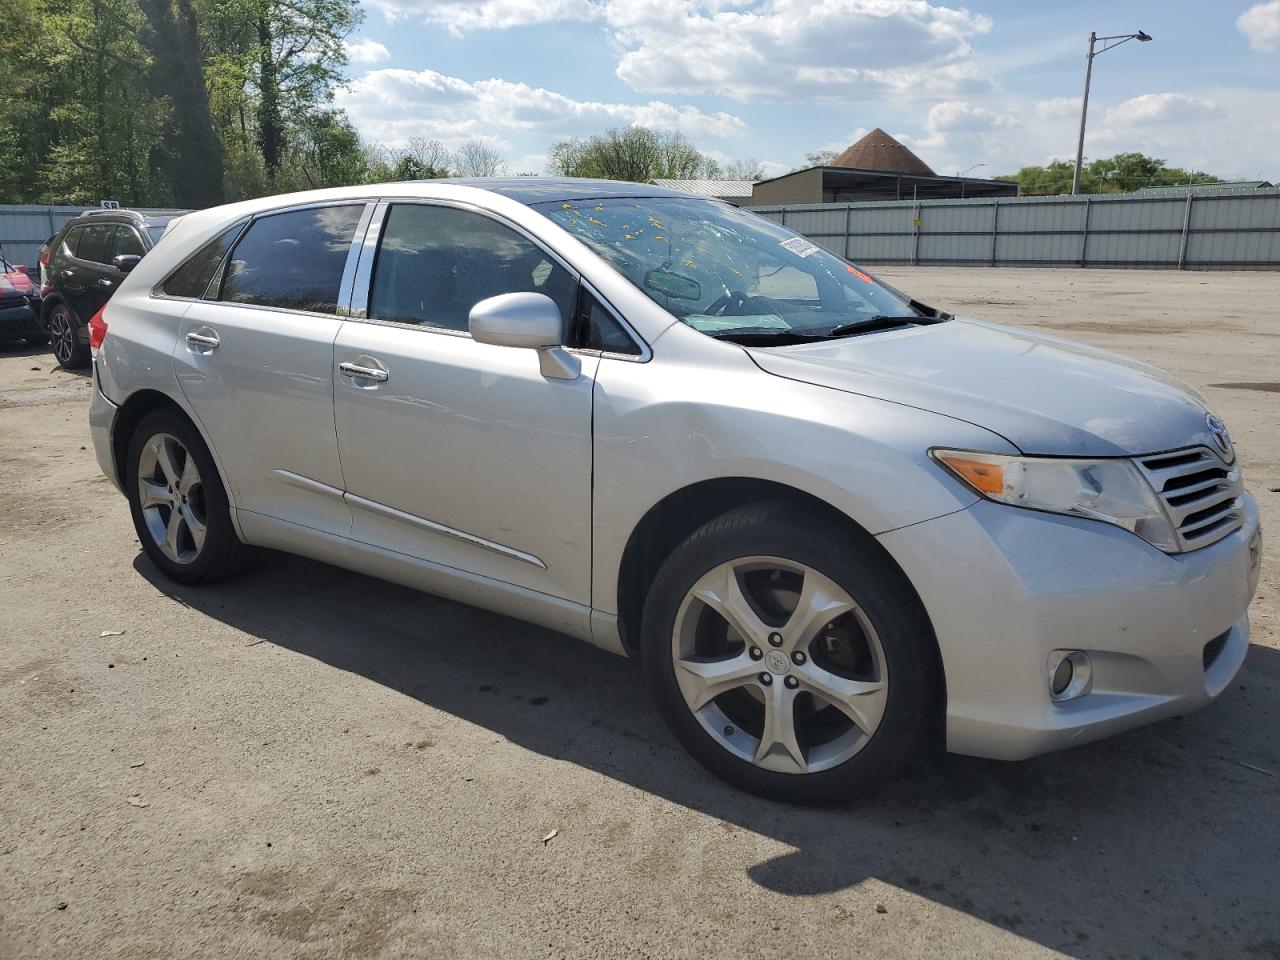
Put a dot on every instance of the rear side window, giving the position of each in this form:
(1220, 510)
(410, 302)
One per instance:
(193, 277)
(97, 242)
(128, 241)
(72, 240)
(293, 260)
(436, 263)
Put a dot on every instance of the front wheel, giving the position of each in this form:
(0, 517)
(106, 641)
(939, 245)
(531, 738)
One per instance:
(789, 657)
(180, 510)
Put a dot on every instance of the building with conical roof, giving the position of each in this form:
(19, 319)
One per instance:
(877, 167)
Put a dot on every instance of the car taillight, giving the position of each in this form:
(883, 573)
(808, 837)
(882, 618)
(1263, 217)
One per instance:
(97, 330)
(44, 256)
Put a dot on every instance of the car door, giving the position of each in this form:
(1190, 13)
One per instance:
(254, 358)
(87, 277)
(454, 451)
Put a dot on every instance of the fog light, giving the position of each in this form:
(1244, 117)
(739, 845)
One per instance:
(1070, 674)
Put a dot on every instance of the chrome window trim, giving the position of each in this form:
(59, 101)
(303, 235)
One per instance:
(354, 255)
(356, 306)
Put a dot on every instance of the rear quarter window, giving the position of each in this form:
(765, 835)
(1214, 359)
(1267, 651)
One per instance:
(192, 278)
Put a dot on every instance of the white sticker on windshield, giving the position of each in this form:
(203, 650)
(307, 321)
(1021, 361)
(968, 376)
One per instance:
(799, 246)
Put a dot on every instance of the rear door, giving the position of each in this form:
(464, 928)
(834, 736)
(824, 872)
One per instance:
(255, 361)
(87, 279)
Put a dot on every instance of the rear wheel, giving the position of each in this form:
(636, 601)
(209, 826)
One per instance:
(180, 510)
(64, 334)
(788, 657)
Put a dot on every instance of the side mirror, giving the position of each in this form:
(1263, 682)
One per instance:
(529, 320)
(125, 262)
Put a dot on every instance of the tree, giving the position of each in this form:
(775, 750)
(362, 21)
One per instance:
(1122, 173)
(475, 158)
(746, 168)
(637, 154)
(192, 150)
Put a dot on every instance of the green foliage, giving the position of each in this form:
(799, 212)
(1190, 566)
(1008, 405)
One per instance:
(1119, 174)
(637, 154)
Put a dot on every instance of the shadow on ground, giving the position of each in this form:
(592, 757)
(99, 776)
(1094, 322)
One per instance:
(1161, 842)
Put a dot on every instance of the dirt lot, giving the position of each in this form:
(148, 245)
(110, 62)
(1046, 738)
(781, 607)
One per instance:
(308, 763)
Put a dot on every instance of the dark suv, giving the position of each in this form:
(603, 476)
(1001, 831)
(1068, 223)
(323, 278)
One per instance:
(86, 260)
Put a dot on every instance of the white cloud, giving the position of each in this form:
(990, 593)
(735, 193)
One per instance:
(960, 117)
(797, 49)
(365, 50)
(1058, 107)
(1160, 108)
(461, 15)
(839, 50)
(1260, 25)
(393, 105)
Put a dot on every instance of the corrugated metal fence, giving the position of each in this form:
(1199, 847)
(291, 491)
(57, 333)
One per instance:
(1231, 230)
(24, 228)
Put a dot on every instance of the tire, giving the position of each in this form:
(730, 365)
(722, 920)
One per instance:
(863, 642)
(163, 451)
(64, 333)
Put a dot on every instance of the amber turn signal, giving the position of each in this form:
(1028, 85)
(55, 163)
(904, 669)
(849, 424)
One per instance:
(983, 475)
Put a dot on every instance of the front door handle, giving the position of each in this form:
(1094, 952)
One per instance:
(203, 341)
(104, 282)
(358, 371)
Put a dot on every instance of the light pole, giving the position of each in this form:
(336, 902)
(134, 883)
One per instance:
(1108, 43)
(961, 173)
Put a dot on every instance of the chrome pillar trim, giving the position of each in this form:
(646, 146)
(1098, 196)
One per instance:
(353, 258)
(391, 513)
(358, 300)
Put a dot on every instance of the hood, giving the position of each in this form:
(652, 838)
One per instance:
(15, 282)
(1043, 394)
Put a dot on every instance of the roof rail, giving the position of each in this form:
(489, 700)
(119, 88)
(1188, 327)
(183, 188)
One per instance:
(98, 211)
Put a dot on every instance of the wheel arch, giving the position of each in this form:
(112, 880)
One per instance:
(47, 303)
(138, 405)
(672, 519)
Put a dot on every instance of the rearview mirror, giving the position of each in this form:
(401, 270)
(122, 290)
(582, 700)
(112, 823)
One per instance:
(125, 262)
(674, 285)
(529, 320)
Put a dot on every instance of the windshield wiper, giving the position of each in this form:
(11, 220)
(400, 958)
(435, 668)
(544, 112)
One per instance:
(872, 324)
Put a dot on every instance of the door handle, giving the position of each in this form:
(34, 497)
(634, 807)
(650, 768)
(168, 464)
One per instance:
(360, 372)
(205, 341)
(104, 282)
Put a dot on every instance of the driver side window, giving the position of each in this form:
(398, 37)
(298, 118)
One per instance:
(436, 262)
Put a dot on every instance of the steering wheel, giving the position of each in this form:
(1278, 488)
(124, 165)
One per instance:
(727, 305)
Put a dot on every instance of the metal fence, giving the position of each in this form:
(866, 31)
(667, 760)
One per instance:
(24, 228)
(1228, 230)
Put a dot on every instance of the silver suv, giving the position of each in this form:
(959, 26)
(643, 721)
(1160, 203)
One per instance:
(830, 519)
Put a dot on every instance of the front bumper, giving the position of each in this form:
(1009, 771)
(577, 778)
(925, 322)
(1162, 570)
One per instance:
(1006, 587)
(102, 418)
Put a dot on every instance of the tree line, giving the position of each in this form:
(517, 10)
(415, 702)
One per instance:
(189, 103)
(1122, 173)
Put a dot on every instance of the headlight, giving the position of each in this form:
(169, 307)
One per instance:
(1113, 491)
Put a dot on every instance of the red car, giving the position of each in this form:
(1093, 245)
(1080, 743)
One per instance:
(19, 306)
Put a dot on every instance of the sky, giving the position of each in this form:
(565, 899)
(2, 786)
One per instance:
(987, 88)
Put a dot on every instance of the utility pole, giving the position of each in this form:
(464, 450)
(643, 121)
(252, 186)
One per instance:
(1108, 43)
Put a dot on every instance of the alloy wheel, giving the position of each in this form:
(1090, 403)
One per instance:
(62, 333)
(779, 665)
(171, 494)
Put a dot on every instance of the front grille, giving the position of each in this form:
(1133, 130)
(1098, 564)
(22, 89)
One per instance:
(1200, 491)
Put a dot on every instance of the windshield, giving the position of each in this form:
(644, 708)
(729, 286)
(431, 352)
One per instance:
(729, 273)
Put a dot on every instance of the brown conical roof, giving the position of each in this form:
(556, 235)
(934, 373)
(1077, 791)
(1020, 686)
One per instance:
(879, 151)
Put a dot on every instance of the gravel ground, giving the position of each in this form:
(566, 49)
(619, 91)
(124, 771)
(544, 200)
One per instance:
(309, 763)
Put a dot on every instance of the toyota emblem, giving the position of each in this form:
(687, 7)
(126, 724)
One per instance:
(1220, 435)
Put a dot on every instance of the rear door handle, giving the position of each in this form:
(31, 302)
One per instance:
(203, 341)
(104, 282)
(358, 371)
